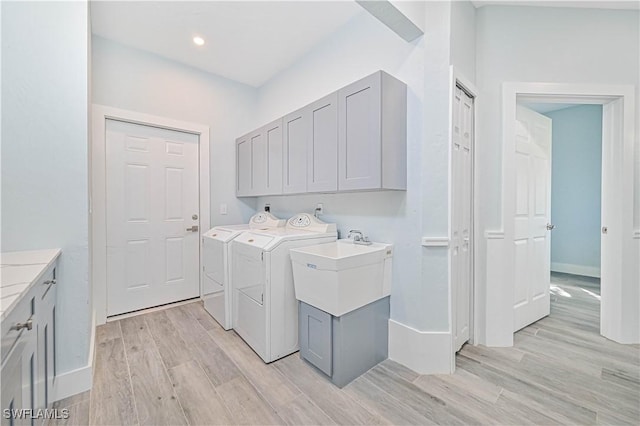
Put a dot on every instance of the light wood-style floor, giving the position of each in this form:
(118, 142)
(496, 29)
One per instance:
(178, 366)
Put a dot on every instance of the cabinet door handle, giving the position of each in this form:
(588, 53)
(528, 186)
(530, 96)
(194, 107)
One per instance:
(20, 325)
(48, 282)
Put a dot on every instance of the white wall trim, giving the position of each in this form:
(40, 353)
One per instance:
(97, 200)
(613, 309)
(567, 268)
(78, 380)
(425, 352)
(435, 241)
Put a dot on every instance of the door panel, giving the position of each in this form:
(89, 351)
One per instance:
(152, 193)
(461, 226)
(533, 212)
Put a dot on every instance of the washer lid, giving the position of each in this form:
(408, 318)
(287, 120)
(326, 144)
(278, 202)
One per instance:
(224, 233)
(253, 239)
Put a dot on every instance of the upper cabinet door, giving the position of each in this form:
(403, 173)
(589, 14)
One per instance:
(322, 148)
(259, 160)
(359, 135)
(295, 135)
(273, 139)
(243, 167)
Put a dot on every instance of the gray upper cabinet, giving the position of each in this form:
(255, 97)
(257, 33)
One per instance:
(295, 135)
(243, 167)
(259, 161)
(354, 139)
(372, 134)
(322, 148)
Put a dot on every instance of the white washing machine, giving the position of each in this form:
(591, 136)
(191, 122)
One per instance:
(265, 309)
(216, 258)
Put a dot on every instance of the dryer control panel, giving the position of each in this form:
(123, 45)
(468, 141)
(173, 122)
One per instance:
(265, 220)
(308, 222)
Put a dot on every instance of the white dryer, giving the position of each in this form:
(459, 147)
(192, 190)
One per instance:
(215, 286)
(265, 309)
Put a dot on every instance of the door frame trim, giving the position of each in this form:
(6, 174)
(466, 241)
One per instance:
(457, 79)
(613, 312)
(97, 190)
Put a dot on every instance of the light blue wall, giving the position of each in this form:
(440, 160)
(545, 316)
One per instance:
(45, 153)
(576, 188)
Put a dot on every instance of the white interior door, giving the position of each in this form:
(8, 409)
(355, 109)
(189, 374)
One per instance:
(152, 209)
(532, 215)
(462, 202)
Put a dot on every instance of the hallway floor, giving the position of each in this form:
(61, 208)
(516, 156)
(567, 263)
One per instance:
(178, 366)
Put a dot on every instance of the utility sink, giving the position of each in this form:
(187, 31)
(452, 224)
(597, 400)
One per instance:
(342, 276)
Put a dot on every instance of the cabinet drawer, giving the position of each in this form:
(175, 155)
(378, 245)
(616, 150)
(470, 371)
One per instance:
(21, 313)
(316, 337)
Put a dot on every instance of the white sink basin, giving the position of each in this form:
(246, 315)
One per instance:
(340, 277)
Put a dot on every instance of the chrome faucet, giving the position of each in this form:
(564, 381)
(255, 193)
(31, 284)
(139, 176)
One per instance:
(358, 237)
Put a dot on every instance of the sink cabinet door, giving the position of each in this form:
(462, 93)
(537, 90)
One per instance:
(315, 328)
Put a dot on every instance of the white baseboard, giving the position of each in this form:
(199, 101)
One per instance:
(567, 268)
(425, 352)
(78, 380)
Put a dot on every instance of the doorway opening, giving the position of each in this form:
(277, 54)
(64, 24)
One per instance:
(575, 213)
(618, 312)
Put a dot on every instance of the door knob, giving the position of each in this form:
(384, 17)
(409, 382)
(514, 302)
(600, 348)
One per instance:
(550, 226)
(194, 228)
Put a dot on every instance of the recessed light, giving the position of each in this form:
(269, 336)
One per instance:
(199, 41)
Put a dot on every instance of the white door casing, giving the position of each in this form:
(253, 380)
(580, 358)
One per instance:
(97, 201)
(619, 314)
(532, 214)
(152, 198)
(461, 226)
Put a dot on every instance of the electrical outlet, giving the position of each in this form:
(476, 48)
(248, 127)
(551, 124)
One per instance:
(223, 209)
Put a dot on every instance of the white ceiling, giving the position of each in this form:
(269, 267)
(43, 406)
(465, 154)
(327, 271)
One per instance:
(246, 41)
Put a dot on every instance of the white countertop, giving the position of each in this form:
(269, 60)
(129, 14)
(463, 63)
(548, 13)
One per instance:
(19, 270)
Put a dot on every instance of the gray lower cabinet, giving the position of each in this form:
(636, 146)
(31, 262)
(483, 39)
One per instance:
(19, 368)
(344, 347)
(28, 352)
